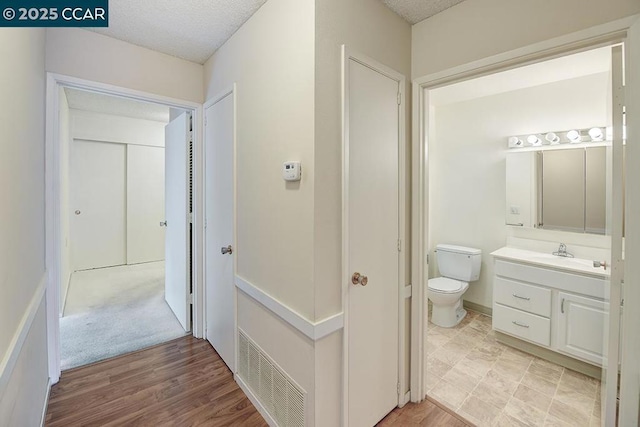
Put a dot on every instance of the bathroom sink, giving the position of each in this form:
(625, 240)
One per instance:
(548, 260)
(562, 261)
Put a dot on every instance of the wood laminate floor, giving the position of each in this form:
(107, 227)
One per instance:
(427, 413)
(179, 383)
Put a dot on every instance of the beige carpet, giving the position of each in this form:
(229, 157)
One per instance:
(116, 310)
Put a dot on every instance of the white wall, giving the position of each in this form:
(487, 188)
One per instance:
(65, 146)
(23, 380)
(109, 128)
(476, 29)
(467, 161)
(91, 56)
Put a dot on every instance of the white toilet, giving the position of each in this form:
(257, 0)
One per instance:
(458, 266)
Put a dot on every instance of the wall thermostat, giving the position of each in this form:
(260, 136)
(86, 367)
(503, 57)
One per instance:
(291, 171)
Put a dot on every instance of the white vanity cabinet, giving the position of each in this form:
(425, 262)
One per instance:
(561, 309)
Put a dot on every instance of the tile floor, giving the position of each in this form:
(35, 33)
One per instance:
(491, 384)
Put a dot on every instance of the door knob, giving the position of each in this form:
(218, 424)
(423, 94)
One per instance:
(226, 250)
(78, 212)
(163, 223)
(359, 279)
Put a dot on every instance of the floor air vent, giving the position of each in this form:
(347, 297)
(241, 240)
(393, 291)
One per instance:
(277, 393)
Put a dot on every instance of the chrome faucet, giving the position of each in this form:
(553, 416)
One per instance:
(562, 251)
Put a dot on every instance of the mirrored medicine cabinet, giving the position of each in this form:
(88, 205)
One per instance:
(566, 189)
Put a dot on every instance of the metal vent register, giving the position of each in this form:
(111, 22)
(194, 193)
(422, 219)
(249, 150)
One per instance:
(276, 391)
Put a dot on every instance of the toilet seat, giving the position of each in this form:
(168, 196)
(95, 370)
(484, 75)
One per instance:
(446, 285)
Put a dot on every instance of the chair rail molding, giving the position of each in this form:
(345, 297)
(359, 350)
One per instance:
(313, 330)
(9, 359)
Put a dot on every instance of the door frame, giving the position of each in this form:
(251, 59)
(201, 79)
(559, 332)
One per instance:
(231, 90)
(53, 238)
(347, 55)
(598, 36)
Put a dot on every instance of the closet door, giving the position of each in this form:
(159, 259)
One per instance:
(98, 204)
(145, 204)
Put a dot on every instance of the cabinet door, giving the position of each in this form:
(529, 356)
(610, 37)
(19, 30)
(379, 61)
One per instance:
(580, 326)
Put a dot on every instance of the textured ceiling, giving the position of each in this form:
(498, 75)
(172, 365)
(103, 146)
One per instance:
(414, 11)
(188, 29)
(108, 104)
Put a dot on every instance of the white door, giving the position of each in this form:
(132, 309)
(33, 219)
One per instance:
(176, 283)
(145, 204)
(372, 240)
(629, 383)
(98, 204)
(613, 286)
(219, 171)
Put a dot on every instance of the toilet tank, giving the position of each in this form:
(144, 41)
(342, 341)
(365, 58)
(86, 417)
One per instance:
(459, 262)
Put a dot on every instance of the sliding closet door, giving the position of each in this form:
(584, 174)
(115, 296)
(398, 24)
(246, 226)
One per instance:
(98, 204)
(145, 204)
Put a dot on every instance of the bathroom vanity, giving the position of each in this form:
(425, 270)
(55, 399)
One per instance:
(553, 302)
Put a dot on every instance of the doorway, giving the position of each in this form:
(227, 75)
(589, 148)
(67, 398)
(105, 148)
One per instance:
(121, 246)
(510, 360)
(113, 211)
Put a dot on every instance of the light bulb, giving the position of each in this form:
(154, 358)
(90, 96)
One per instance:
(574, 136)
(514, 141)
(534, 140)
(552, 138)
(596, 134)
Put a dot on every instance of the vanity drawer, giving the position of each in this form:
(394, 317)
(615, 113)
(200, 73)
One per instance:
(570, 282)
(531, 298)
(528, 326)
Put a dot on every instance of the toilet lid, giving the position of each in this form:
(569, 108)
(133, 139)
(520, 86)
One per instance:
(445, 285)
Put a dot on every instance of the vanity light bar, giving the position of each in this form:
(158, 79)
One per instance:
(571, 136)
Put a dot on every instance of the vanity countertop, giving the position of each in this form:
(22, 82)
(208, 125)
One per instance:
(575, 265)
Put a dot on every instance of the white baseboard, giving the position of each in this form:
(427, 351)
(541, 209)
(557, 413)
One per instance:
(313, 330)
(9, 359)
(263, 411)
(46, 404)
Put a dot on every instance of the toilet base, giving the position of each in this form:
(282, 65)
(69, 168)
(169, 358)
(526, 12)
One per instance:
(448, 316)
